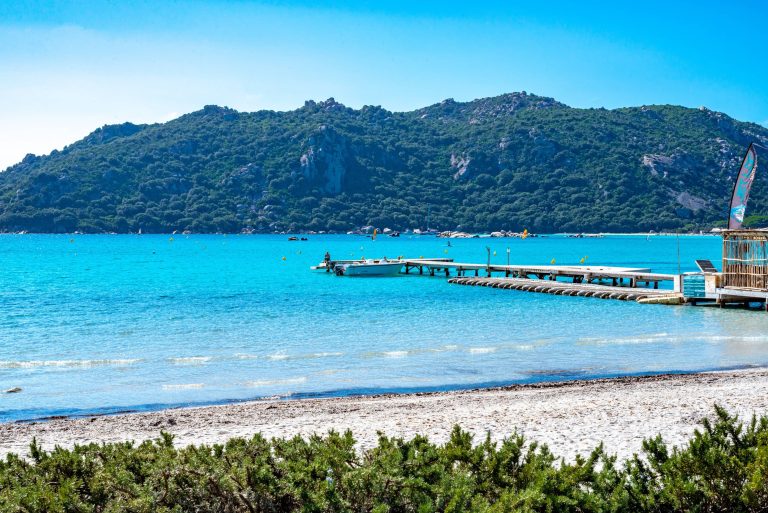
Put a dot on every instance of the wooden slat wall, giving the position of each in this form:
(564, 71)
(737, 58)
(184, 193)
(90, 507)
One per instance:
(745, 259)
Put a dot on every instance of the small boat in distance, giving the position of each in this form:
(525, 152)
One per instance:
(369, 268)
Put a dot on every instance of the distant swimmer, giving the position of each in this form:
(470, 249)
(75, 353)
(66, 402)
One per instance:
(327, 259)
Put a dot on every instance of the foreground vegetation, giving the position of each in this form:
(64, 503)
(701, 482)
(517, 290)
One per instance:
(505, 163)
(724, 467)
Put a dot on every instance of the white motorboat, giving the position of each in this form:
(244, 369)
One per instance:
(369, 268)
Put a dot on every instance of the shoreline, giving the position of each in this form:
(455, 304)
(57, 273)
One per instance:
(363, 392)
(569, 416)
(478, 235)
(352, 393)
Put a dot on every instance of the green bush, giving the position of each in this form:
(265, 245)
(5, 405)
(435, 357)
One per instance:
(724, 467)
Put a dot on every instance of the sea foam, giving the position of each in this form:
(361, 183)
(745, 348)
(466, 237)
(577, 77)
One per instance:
(183, 386)
(190, 360)
(271, 382)
(11, 364)
(395, 354)
(482, 350)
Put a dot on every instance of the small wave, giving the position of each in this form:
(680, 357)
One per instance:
(324, 355)
(524, 347)
(270, 382)
(190, 360)
(751, 339)
(444, 349)
(623, 341)
(732, 338)
(245, 356)
(8, 364)
(482, 350)
(285, 356)
(643, 339)
(276, 397)
(395, 354)
(183, 386)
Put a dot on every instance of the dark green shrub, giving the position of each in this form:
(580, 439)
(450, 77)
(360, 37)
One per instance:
(724, 467)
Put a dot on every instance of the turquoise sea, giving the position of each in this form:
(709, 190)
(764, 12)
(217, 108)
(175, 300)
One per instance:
(104, 323)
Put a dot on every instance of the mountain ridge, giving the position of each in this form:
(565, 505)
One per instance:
(506, 162)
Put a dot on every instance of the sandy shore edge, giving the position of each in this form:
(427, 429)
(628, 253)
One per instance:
(570, 416)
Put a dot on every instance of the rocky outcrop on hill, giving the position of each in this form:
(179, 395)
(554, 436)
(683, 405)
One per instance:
(326, 159)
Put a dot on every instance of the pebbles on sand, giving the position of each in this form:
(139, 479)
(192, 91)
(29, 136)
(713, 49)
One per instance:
(571, 417)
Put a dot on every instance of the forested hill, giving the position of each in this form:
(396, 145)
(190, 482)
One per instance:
(510, 162)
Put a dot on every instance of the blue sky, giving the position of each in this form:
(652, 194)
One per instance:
(68, 67)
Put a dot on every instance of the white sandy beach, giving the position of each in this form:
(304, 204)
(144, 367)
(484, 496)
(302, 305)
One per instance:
(571, 417)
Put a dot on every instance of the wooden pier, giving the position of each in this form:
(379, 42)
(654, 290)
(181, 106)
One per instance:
(622, 283)
(743, 280)
(574, 289)
(616, 276)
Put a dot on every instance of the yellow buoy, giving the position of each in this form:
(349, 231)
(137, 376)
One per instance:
(494, 253)
(553, 261)
(284, 259)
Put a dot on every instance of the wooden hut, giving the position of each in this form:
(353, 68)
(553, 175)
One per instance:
(745, 260)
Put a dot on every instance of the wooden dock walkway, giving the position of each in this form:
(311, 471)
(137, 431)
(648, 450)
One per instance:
(568, 289)
(617, 276)
(622, 283)
(743, 280)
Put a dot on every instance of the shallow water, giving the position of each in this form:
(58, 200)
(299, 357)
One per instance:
(104, 323)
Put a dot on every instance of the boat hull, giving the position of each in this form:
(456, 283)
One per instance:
(389, 269)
